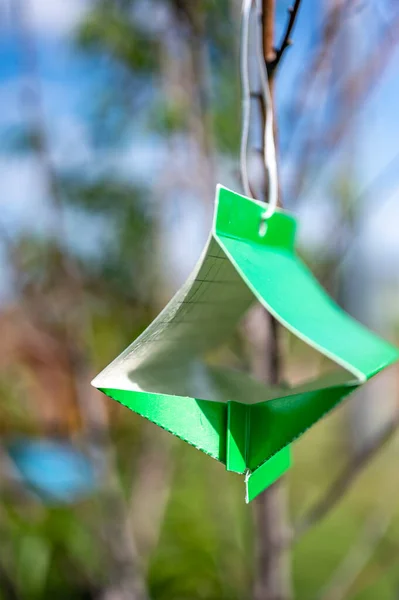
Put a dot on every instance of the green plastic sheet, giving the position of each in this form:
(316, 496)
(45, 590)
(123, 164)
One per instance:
(164, 376)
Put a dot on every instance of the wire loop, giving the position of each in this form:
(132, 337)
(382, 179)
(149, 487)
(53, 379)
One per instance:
(269, 150)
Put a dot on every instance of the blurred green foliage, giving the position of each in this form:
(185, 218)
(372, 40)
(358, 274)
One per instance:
(205, 547)
(107, 29)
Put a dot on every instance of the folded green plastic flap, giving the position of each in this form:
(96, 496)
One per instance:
(267, 474)
(246, 425)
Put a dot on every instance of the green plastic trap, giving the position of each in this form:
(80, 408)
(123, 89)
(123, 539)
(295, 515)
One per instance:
(227, 414)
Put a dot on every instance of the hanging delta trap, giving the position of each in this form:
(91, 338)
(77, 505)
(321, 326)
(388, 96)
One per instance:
(250, 257)
(227, 414)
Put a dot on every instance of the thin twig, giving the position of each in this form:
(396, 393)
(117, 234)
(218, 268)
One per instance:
(380, 569)
(343, 482)
(317, 64)
(361, 84)
(351, 567)
(286, 41)
(375, 185)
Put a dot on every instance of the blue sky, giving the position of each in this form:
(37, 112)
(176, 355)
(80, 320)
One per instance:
(68, 80)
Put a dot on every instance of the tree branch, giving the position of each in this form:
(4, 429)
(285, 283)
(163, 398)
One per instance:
(359, 555)
(286, 41)
(272, 574)
(361, 84)
(317, 65)
(343, 482)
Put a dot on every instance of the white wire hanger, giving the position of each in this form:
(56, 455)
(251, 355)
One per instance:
(269, 149)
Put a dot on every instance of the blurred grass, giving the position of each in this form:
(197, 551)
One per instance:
(205, 547)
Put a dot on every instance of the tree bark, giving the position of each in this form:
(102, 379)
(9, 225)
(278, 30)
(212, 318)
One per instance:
(272, 576)
(272, 571)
